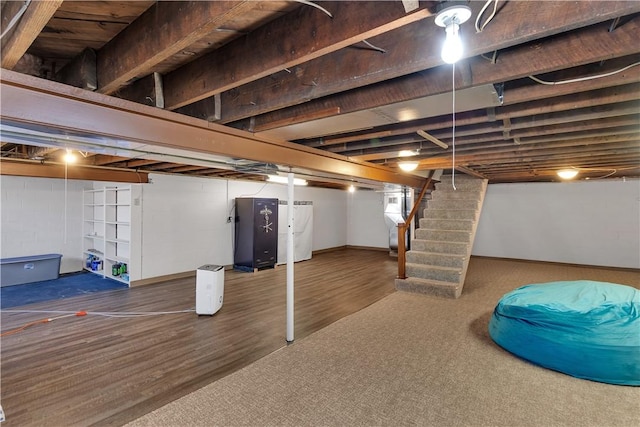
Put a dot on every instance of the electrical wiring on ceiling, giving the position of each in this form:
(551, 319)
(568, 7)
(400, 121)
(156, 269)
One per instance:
(582, 79)
(16, 18)
(479, 27)
(379, 49)
(317, 6)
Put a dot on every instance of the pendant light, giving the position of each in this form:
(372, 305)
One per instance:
(567, 173)
(450, 18)
(408, 166)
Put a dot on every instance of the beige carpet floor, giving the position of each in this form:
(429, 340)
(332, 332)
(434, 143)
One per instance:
(413, 360)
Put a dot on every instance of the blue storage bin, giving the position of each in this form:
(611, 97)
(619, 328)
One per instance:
(28, 269)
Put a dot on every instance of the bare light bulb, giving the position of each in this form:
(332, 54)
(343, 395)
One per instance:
(452, 46)
(567, 173)
(450, 18)
(69, 157)
(408, 166)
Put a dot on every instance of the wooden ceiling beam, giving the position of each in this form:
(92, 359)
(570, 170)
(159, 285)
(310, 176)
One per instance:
(137, 163)
(103, 160)
(442, 124)
(584, 143)
(30, 101)
(609, 95)
(437, 125)
(622, 162)
(519, 154)
(534, 91)
(146, 42)
(594, 44)
(586, 125)
(471, 172)
(598, 147)
(297, 37)
(81, 71)
(589, 118)
(159, 166)
(82, 172)
(494, 129)
(582, 114)
(27, 28)
(492, 141)
(181, 169)
(484, 147)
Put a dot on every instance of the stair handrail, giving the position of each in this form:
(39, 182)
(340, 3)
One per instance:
(402, 227)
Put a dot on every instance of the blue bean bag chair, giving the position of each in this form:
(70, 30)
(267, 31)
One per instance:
(586, 329)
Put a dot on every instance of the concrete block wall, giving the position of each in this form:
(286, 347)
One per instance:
(33, 213)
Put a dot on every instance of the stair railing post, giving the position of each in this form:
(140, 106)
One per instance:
(402, 228)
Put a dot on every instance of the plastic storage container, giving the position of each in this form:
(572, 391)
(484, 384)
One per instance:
(28, 269)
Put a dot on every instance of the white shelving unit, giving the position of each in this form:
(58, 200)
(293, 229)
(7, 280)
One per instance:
(107, 232)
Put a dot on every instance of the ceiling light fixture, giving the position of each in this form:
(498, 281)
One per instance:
(450, 18)
(408, 166)
(69, 157)
(567, 173)
(352, 189)
(284, 180)
(407, 153)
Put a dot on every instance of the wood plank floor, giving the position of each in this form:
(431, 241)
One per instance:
(98, 370)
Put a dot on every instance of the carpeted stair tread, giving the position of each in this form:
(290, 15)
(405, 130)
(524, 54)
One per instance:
(457, 214)
(453, 204)
(435, 259)
(447, 224)
(455, 195)
(429, 287)
(439, 241)
(434, 272)
(458, 248)
(438, 261)
(444, 235)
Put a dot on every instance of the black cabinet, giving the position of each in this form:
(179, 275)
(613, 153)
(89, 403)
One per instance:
(256, 235)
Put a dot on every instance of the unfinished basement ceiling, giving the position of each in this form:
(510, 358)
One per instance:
(359, 84)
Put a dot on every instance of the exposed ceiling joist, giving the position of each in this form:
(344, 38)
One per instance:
(57, 170)
(295, 38)
(405, 54)
(27, 27)
(356, 86)
(595, 43)
(34, 102)
(125, 58)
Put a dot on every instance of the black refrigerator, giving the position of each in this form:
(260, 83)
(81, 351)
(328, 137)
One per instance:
(256, 233)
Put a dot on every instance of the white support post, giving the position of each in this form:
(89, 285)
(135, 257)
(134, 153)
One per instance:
(290, 259)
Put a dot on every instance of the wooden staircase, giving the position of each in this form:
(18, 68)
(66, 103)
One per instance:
(439, 257)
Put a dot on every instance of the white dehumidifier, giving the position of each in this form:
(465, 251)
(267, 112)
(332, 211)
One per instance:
(209, 288)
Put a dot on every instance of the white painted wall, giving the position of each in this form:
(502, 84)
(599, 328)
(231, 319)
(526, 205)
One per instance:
(32, 218)
(183, 225)
(582, 222)
(330, 222)
(184, 220)
(366, 226)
